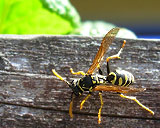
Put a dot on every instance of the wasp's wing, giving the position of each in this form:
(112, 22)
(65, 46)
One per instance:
(120, 89)
(107, 40)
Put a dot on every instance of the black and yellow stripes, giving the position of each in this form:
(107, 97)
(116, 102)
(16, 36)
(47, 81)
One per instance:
(87, 83)
(120, 77)
(98, 79)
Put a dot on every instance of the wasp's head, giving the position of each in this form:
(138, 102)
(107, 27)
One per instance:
(75, 88)
(74, 83)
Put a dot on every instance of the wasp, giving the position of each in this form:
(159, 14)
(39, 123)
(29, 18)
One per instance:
(117, 81)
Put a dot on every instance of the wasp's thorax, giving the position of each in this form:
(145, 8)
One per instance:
(87, 83)
(120, 77)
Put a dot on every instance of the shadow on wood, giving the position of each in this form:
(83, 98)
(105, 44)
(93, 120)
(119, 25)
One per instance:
(31, 96)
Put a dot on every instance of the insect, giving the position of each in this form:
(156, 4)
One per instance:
(118, 80)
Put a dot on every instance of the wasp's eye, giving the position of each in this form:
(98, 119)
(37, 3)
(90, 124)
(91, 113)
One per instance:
(74, 82)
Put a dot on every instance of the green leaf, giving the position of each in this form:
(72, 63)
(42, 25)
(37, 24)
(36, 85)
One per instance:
(64, 9)
(30, 17)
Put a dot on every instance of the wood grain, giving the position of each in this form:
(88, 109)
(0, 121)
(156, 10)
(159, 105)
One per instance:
(31, 96)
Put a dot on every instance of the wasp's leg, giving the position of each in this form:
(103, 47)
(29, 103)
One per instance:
(100, 110)
(70, 109)
(71, 105)
(77, 73)
(99, 70)
(83, 101)
(134, 98)
(116, 56)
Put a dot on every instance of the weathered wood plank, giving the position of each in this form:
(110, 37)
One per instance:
(30, 95)
(39, 118)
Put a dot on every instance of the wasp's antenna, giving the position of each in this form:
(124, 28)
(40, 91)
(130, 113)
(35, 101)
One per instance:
(60, 77)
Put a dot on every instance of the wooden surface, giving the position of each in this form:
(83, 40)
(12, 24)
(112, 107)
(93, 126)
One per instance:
(31, 96)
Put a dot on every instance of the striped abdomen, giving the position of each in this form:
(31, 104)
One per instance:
(120, 77)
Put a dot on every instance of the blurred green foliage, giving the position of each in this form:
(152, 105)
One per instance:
(32, 17)
(100, 28)
(49, 17)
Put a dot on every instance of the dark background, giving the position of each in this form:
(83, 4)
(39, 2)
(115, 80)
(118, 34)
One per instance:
(140, 16)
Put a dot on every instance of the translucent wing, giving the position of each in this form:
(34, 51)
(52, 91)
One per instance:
(107, 40)
(120, 89)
